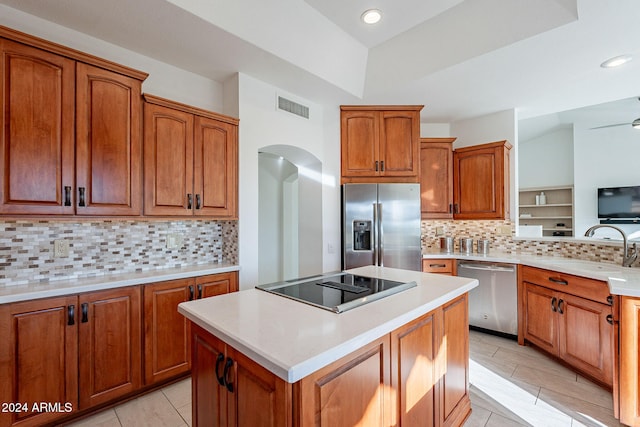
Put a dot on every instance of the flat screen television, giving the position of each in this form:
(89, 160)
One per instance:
(619, 202)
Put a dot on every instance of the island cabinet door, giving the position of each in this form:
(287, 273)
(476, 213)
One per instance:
(413, 371)
(110, 345)
(209, 396)
(455, 404)
(353, 391)
(630, 361)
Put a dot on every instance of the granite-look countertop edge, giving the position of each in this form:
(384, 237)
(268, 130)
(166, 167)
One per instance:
(10, 294)
(624, 281)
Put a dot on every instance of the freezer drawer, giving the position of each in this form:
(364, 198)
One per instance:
(493, 305)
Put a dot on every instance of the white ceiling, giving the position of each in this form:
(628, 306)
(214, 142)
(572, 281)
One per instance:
(460, 58)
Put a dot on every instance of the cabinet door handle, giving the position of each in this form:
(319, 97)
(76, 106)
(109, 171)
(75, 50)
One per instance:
(610, 299)
(553, 304)
(197, 201)
(190, 292)
(450, 207)
(558, 281)
(67, 195)
(560, 304)
(456, 208)
(199, 291)
(81, 201)
(610, 319)
(376, 166)
(71, 315)
(85, 312)
(219, 360)
(189, 200)
(382, 166)
(227, 367)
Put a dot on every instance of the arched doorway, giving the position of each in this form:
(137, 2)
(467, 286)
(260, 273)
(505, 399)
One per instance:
(289, 213)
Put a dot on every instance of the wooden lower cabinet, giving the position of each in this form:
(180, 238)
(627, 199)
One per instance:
(577, 330)
(76, 351)
(441, 266)
(38, 358)
(167, 341)
(228, 389)
(110, 350)
(415, 376)
(629, 397)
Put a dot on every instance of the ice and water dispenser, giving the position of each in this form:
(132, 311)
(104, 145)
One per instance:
(361, 235)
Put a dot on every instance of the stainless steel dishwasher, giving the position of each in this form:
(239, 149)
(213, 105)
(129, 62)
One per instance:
(493, 304)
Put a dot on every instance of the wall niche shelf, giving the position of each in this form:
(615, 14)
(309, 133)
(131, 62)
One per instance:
(557, 210)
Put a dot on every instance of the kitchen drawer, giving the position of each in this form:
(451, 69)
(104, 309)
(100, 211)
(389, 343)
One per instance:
(442, 266)
(595, 290)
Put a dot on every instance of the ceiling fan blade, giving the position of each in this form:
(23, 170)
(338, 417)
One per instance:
(610, 126)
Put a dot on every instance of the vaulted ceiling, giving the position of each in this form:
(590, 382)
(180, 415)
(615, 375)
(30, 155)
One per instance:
(461, 58)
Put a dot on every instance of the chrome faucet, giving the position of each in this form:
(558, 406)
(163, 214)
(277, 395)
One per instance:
(630, 253)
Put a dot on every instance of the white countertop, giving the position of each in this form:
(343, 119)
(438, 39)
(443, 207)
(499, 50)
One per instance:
(293, 339)
(55, 288)
(621, 280)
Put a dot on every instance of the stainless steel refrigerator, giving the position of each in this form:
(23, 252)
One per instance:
(381, 225)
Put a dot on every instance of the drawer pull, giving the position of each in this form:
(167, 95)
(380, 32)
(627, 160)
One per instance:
(610, 319)
(437, 265)
(558, 281)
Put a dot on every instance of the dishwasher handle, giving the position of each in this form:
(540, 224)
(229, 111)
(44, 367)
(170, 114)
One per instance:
(490, 267)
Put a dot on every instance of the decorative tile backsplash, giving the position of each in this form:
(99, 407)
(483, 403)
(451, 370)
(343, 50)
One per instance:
(505, 243)
(109, 246)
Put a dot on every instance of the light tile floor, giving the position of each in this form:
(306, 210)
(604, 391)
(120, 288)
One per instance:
(511, 385)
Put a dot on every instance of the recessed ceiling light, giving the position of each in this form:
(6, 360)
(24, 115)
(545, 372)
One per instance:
(616, 61)
(371, 16)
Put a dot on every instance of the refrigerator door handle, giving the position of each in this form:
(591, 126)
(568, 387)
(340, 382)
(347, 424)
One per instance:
(380, 237)
(376, 225)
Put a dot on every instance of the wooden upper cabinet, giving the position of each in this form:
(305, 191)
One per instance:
(190, 161)
(380, 143)
(37, 92)
(71, 131)
(481, 181)
(215, 167)
(108, 142)
(436, 178)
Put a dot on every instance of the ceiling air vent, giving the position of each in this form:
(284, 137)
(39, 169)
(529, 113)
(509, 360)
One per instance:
(293, 107)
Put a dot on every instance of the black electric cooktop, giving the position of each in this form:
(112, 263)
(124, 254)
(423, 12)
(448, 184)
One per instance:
(336, 292)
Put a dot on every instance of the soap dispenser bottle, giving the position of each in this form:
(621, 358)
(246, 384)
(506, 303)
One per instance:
(543, 198)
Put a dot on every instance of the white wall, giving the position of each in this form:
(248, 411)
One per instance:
(498, 126)
(164, 80)
(603, 158)
(546, 160)
(261, 124)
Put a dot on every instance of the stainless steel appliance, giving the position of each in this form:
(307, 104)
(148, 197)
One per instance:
(381, 225)
(336, 292)
(493, 304)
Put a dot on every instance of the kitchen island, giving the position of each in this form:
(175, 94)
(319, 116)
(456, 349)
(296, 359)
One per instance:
(261, 359)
